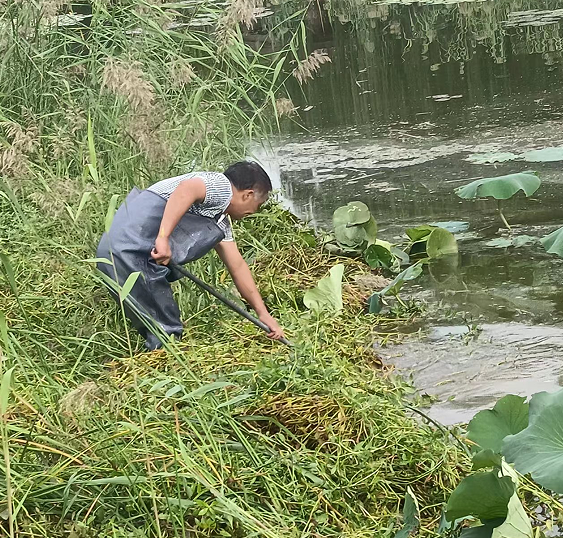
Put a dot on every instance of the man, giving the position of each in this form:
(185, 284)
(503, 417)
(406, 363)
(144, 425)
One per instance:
(153, 223)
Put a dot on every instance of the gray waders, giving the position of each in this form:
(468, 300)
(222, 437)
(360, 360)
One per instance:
(127, 247)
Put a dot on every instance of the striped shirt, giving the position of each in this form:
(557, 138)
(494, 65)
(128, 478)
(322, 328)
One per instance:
(218, 195)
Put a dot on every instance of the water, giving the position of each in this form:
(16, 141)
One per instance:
(416, 100)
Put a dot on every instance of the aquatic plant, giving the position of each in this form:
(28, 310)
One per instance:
(527, 435)
(501, 188)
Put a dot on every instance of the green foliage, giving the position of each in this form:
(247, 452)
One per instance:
(411, 516)
(502, 187)
(375, 302)
(441, 243)
(420, 232)
(327, 294)
(553, 242)
(489, 427)
(538, 449)
(484, 495)
(377, 256)
(354, 226)
(485, 459)
(544, 155)
(431, 241)
(355, 231)
(517, 523)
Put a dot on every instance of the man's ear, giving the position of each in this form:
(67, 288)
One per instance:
(248, 194)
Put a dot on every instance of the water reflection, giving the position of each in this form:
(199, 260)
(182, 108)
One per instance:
(415, 101)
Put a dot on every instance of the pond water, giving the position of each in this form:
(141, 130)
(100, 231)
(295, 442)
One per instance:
(418, 100)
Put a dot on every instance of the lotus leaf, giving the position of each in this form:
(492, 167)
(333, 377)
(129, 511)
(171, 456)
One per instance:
(544, 155)
(351, 214)
(502, 187)
(350, 236)
(488, 428)
(370, 228)
(354, 225)
(482, 531)
(483, 495)
(553, 242)
(375, 303)
(538, 450)
(517, 523)
(378, 256)
(420, 232)
(516, 242)
(440, 243)
(327, 295)
(412, 272)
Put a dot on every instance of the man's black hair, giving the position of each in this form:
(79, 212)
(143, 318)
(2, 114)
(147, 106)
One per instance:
(247, 175)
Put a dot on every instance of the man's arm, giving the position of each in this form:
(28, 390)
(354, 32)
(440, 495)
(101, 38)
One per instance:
(242, 277)
(187, 193)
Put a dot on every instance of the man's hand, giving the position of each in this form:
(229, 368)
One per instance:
(276, 332)
(161, 252)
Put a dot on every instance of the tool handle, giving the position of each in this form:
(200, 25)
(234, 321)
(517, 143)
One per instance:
(231, 304)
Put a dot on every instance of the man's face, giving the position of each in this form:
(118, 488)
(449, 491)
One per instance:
(246, 203)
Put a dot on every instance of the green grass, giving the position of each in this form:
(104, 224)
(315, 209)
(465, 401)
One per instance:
(226, 433)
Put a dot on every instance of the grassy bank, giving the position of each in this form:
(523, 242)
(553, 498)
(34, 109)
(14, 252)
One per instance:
(225, 434)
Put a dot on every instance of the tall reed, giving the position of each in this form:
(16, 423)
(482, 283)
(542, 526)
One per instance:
(223, 434)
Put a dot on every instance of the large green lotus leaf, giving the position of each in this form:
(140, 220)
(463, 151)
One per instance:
(488, 428)
(327, 295)
(502, 187)
(440, 243)
(483, 495)
(553, 242)
(350, 236)
(370, 228)
(420, 232)
(517, 523)
(410, 515)
(378, 256)
(544, 155)
(538, 450)
(351, 213)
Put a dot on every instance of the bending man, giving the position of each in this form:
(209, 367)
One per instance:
(157, 226)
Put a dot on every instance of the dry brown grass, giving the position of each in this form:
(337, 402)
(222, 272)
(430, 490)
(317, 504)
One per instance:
(285, 107)
(128, 81)
(23, 142)
(181, 73)
(241, 12)
(144, 123)
(50, 8)
(310, 65)
(80, 400)
(314, 419)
